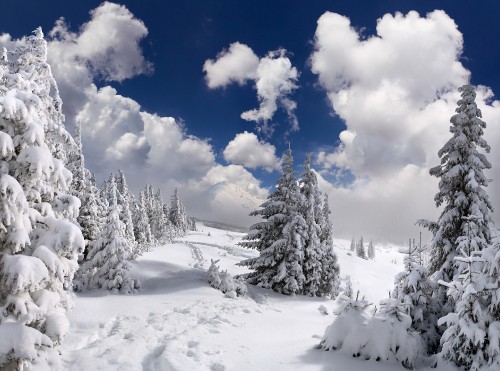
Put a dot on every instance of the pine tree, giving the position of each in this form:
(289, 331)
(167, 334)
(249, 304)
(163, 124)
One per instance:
(353, 245)
(39, 244)
(330, 273)
(490, 277)
(312, 214)
(91, 213)
(126, 202)
(161, 226)
(462, 238)
(279, 238)
(141, 224)
(108, 256)
(177, 215)
(360, 249)
(413, 290)
(371, 250)
(461, 188)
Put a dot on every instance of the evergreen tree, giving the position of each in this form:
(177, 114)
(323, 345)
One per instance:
(330, 273)
(413, 290)
(312, 214)
(39, 244)
(279, 238)
(371, 250)
(161, 226)
(108, 256)
(142, 229)
(178, 217)
(353, 245)
(125, 201)
(91, 213)
(462, 241)
(461, 189)
(360, 249)
(467, 338)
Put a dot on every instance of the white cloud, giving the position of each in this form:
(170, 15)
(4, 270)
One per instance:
(108, 43)
(276, 80)
(178, 156)
(111, 131)
(246, 149)
(396, 92)
(236, 64)
(273, 75)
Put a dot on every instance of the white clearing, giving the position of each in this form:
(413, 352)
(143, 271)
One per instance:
(178, 322)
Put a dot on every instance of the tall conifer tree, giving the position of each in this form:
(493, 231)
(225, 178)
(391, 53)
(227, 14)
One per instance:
(280, 237)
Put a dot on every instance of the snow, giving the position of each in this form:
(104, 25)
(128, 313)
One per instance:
(178, 321)
(21, 341)
(23, 273)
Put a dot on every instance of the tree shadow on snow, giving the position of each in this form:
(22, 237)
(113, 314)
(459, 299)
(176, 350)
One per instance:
(163, 278)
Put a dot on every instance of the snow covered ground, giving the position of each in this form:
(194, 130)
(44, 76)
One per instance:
(178, 322)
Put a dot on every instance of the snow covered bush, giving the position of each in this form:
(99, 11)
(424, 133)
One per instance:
(39, 243)
(383, 336)
(224, 282)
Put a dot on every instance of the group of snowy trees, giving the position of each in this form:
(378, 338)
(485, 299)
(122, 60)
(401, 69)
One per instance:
(451, 308)
(118, 228)
(295, 238)
(361, 251)
(52, 214)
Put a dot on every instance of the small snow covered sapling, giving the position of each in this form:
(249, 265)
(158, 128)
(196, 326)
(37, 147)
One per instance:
(213, 274)
(347, 329)
(224, 282)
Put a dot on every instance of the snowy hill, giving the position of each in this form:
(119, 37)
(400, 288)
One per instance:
(220, 195)
(178, 322)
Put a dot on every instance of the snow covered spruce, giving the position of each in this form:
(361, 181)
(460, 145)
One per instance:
(39, 244)
(295, 238)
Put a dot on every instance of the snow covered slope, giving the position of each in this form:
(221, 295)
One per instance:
(179, 322)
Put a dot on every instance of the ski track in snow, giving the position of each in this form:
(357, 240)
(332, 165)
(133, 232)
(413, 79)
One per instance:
(198, 259)
(238, 252)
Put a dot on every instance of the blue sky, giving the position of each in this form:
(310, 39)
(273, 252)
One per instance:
(156, 68)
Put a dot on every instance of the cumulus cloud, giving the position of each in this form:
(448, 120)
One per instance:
(396, 92)
(178, 156)
(273, 75)
(246, 149)
(108, 44)
(236, 64)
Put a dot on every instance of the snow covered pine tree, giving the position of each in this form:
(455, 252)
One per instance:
(38, 243)
(462, 240)
(320, 266)
(279, 238)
